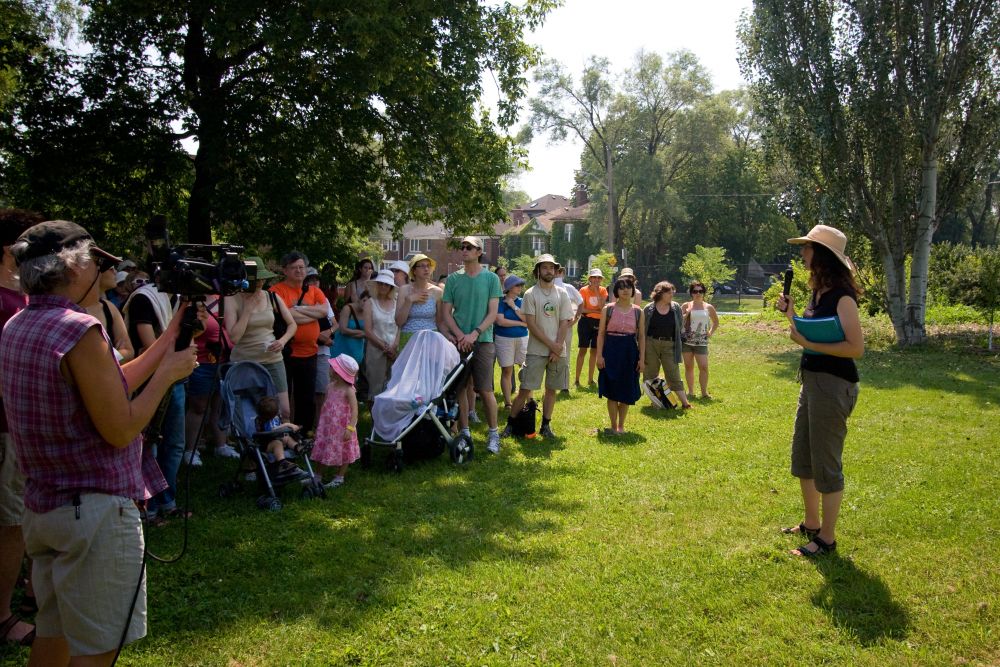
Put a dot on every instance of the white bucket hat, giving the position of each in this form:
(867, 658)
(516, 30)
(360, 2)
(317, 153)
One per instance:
(385, 277)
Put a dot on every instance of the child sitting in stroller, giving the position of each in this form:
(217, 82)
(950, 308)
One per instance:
(276, 437)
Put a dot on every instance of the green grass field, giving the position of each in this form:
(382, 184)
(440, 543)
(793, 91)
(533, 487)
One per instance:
(657, 548)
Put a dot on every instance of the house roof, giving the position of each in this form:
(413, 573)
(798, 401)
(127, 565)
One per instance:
(572, 212)
(544, 204)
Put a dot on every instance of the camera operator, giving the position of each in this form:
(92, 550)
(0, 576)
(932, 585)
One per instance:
(76, 433)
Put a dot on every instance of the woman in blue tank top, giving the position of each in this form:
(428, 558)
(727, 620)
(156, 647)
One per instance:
(417, 304)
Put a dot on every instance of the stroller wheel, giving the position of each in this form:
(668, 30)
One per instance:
(460, 449)
(274, 505)
(318, 490)
(266, 502)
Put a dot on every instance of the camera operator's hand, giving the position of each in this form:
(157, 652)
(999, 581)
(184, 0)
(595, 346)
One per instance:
(178, 364)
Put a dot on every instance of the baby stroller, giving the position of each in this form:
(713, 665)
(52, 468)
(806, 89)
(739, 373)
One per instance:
(244, 383)
(414, 415)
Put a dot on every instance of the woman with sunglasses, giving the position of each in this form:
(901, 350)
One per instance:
(110, 317)
(700, 324)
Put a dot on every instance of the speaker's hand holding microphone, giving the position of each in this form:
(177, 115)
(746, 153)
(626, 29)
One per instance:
(786, 302)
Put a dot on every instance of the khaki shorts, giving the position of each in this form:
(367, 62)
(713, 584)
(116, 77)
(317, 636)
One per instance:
(480, 371)
(11, 484)
(660, 353)
(510, 351)
(825, 403)
(85, 572)
(556, 373)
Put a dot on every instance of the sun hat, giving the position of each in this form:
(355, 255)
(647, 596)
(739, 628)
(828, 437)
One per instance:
(511, 281)
(126, 265)
(595, 273)
(346, 367)
(626, 272)
(830, 238)
(542, 259)
(48, 238)
(473, 240)
(400, 266)
(421, 258)
(385, 277)
(262, 271)
(121, 277)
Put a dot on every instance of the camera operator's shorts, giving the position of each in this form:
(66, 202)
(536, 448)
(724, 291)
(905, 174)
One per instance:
(556, 373)
(85, 572)
(11, 484)
(510, 351)
(481, 367)
(586, 332)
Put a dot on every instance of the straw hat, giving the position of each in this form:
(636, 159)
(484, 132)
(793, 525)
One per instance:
(421, 258)
(385, 277)
(627, 273)
(596, 273)
(346, 367)
(830, 238)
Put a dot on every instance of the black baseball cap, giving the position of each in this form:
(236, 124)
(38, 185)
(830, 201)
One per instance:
(48, 238)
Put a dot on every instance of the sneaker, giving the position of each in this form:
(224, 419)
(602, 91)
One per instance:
(474, 418)
(250, 477)
(334, 483)
(493, 442)
(226, 452)
(546, 431)
(192, 459)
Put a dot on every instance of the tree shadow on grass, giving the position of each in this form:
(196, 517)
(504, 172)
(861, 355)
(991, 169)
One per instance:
(859, 601)
(360, 551)
(930, 369)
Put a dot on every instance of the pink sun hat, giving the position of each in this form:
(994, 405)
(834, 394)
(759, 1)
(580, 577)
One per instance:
(346, 367)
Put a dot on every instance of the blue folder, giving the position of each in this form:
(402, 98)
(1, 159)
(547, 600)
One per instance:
(820, 330)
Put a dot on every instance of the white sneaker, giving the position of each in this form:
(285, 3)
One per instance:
(192, 459)
(226, 452)
(250, 477)
(474, 418)
(334, 483)
(493, 442)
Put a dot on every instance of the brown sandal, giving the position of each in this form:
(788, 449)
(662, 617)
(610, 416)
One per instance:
(9, 624)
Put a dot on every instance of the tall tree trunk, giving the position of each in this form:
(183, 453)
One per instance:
(914, 329)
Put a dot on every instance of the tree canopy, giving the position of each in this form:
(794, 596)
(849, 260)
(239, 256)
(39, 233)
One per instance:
(309, 122)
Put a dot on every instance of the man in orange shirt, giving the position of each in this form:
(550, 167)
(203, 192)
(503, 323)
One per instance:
(589, 317)
(308, 306)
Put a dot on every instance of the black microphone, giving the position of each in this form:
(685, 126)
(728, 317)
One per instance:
(787, 287)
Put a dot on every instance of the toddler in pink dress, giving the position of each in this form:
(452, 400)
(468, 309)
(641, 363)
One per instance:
(336, 444)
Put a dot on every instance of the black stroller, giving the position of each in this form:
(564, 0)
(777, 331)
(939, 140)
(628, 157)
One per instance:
(414, 415)
(244, 384)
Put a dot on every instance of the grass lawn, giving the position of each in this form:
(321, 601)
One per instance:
(660, 547)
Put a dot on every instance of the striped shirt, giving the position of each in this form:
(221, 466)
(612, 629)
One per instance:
(59, 449)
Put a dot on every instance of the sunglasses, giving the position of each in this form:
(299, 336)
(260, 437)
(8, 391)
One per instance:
(466, 246)
(697, 291)
(139, 282)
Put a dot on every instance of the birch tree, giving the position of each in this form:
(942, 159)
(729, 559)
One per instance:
(886, 106)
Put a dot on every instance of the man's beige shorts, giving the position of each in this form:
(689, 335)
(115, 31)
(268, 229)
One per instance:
(556, 373)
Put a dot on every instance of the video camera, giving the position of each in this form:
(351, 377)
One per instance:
(196, 270)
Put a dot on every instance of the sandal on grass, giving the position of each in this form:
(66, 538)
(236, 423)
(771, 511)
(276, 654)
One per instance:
(801, 530)
(822, 547)
(9, 624)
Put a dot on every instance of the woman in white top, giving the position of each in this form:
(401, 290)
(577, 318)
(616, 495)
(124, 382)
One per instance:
(381, 331)
(700, 323)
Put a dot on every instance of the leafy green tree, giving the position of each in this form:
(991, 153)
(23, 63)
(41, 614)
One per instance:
(884, 108)
(708, 266)
(312, 122)
(986, 298)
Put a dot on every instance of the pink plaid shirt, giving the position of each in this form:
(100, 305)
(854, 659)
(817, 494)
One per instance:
(59, 450)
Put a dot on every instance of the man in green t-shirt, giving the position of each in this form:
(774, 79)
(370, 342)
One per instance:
(549, 315)
(471, 298)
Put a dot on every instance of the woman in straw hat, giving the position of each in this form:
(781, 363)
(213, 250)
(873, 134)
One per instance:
(829, 391)
(417, 303)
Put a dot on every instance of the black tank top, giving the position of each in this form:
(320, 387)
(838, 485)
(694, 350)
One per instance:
(842, 367)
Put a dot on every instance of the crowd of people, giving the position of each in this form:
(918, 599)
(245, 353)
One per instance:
(76, 473)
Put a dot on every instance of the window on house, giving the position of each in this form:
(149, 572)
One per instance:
(538, 244)
(414, 245)
(571, 268)
(569, 232)
(389, 245)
